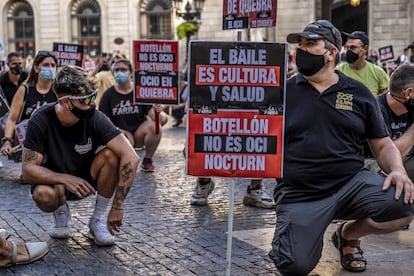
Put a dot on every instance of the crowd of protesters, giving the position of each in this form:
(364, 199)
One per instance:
(321, 63)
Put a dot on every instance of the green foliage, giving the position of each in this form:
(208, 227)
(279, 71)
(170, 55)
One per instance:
(186, 28)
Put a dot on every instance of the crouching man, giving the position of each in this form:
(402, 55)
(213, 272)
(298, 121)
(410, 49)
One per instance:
(72, 151)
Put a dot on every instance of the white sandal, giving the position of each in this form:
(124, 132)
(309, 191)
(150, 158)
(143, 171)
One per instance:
(36, 251)
(4, 234)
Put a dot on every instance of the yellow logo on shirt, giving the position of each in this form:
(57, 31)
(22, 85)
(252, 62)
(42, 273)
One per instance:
(344, 101)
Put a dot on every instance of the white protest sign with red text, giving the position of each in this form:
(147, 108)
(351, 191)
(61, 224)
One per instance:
(235, 115)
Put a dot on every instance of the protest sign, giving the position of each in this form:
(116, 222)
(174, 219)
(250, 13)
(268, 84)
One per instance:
(68, 54)
(386, 53)
(243, 14)
(156, 72)
(89, 65)
(235, 115)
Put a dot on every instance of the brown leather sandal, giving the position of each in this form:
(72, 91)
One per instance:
(347, 259)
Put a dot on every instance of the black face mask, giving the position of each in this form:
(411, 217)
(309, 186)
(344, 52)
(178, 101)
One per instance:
(16, 70)
(83, 114)
(409, 105)
(309, 64)
(351, 57)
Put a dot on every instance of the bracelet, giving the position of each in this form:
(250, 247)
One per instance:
(6, 139)
(116, 208)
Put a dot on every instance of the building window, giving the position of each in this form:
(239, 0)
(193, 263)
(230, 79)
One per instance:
(20, 22)
(156, 19)
(86, 26)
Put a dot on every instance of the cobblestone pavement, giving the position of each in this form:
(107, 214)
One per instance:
(164, 235)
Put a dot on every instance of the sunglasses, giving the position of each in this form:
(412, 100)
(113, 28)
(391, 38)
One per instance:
(85, 99)
(327, 24)
(46, 54)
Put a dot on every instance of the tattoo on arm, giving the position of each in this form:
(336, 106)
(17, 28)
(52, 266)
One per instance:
(126, 172)
(122, 191)
(120, 195)
(29, 155)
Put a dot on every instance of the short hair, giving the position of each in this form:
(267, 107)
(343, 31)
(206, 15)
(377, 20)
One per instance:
(123, 61)
(329, 45)
(73, 80)
(401, 77)
(12, 55)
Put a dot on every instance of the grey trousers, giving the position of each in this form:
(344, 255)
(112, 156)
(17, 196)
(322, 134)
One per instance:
(300, 227)
(408, 161)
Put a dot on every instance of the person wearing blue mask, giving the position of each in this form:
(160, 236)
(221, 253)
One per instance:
(118, 104)
(35, 92)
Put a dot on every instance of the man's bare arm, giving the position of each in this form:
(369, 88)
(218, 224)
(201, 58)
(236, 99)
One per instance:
(127, 169)
(406, 141)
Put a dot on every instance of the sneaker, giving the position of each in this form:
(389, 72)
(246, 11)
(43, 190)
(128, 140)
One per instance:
(147, 165)
(98, 231)
(61, 229)
(201, 192)
(258, 198)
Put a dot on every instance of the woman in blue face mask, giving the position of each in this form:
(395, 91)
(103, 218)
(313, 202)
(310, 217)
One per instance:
(35, 92)
(137, 122)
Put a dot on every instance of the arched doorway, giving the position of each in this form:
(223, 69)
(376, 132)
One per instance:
(86, 24)
(20, 25)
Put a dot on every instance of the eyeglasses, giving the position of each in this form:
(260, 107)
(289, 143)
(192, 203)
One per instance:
(46, 54)
(85, 99)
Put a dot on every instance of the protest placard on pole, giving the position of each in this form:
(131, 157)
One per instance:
(238, 152)
(236, 109)
(156, 74)
(386, 55)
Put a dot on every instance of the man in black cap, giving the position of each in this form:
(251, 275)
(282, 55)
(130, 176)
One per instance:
(327, 116)
(357, 67)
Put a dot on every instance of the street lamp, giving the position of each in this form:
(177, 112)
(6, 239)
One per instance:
(190, 13)
(355, 3)
(190, 16)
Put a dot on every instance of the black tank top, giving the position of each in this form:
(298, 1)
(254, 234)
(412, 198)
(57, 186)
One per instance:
(35, 100)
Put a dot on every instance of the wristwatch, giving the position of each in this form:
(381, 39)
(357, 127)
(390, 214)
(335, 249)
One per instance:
(6, 139)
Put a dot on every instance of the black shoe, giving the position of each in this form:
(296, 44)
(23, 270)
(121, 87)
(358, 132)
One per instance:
(177, 123)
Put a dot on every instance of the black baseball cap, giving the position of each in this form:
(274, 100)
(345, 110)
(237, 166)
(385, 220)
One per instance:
(322, 29)
(358, 35)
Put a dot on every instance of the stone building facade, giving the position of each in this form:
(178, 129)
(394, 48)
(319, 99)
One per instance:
(119, 22)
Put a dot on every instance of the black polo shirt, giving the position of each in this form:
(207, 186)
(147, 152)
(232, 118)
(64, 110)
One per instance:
(324, 134)
(9, 88)
(397, 125)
